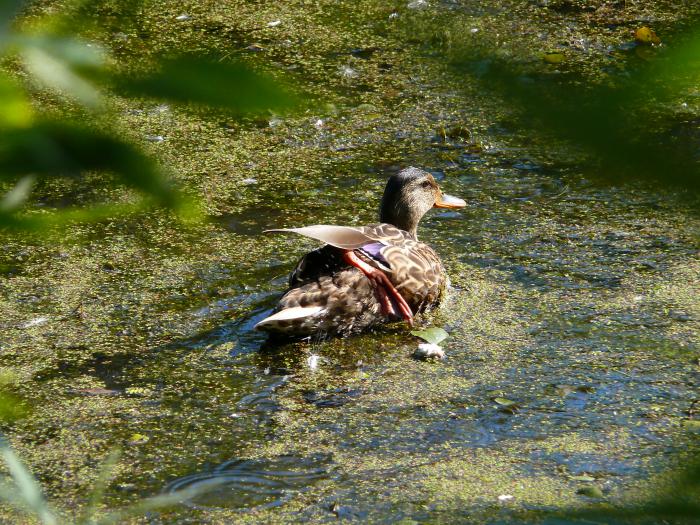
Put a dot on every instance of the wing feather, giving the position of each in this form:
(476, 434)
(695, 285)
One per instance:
(343, 237)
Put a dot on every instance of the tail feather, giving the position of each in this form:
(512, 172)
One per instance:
(295, 313)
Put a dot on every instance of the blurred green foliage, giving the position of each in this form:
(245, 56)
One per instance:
(23, 492)
(80, 72)
(207, 82)
(677, 501)
(630, 122)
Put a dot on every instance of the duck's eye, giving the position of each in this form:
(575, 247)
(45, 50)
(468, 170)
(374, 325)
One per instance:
(426, 184)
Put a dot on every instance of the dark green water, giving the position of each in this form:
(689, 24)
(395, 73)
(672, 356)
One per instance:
(575, 300)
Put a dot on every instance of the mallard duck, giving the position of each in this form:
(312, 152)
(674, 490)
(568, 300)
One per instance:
(366, 275)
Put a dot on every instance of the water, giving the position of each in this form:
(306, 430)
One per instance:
(252, 485)
(575, 300)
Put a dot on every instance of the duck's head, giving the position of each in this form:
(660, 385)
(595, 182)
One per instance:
(409, 195)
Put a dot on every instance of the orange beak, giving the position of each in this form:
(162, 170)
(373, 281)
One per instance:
(448, 201)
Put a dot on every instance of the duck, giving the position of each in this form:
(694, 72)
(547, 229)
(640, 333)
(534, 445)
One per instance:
(365, 276)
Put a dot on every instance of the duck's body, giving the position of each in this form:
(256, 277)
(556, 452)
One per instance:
(346, 299)
(366, 275)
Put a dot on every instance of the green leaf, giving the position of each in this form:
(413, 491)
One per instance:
(590, 491)
(11, 407)
(27, 486)
(14, 198)
(431, 335)
(159, 502)
(67, 65)
(50, 149)
(47, 222)
(229, 86)
(17, 196)
(14, 106)
(692, 425)
(504, 402)
(616, 122)
(582, 478)
(98, 490)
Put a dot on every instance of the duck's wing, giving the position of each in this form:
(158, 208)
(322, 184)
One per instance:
(343, 237)
(387, 234)
(325, 260)
(417, 272)
(327, 295)
(349, 237)
(369, 241)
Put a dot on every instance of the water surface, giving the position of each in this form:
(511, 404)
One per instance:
(575, 300)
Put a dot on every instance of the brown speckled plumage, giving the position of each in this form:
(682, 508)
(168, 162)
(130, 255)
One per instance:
(322, 278)
(347, 299)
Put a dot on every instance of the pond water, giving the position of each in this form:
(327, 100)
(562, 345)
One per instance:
(573, 310)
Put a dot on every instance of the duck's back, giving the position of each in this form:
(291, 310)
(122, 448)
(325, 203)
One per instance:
(329, 297)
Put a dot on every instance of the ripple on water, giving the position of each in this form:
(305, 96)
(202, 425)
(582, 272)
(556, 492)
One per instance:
(252, 484)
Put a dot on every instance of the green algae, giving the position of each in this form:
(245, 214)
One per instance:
(576, 301)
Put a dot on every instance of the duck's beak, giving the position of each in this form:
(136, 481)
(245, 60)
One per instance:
(448, 201)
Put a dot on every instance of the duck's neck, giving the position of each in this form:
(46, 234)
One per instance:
(400, 215)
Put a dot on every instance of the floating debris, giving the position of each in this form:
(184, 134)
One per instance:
(182, 17)
(583, 477)
(341, 511)
(506, 405)
(505, 498)
(428, 351)
(248, 182)
(274, 23)
(138, 439)
(646, 35)
(504, 402)
(318, 124)
(312, 361)
(138, 391)
(37, 321)
(347, 72)
(155, 138)
(418, 4)
(554, 58)
(458, 132)
(96, 391)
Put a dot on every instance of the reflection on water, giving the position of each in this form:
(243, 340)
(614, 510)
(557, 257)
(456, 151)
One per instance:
(252, 484)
